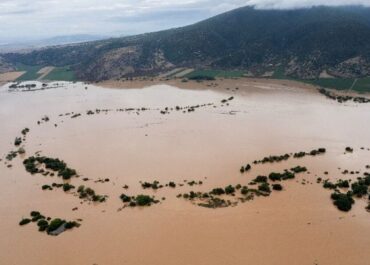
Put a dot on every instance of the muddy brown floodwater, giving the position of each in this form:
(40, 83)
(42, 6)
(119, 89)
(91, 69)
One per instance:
(299, 225)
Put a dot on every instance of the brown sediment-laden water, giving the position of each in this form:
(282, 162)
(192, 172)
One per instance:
(137, 141)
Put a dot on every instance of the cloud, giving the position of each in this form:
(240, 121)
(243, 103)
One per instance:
(24, 19)
(288, 4)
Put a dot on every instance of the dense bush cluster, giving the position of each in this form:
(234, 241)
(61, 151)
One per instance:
(25, 131)
(272, 159)
(298, 169)
(245, 168)
(343, 99)
(18, 141)
(349, 149)
(216, 198)
(314, 152)
(155, 185)
(274, 176)
(359, 189)
(343, 201)
(11, 155)
(139, 200)
(277, 187)
(90, 195)
(53, 227)
(33, 163)
(202, 78)
(281, 158)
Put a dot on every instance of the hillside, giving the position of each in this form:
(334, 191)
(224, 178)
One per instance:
(302, 42)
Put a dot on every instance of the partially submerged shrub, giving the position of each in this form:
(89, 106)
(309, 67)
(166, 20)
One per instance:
(218, 191)
(144, 200)
(264, 187)
(299, 154)
(125, 198)
(281, 176)
(155, 185)
(89, 194)
(139, 200)
(260, 179)
(229, 189)
(359, 188)
(342, 201)
(25, 221)
(245, 168)
(298, 169)
(33, 163)
(18, 141)
(214, 203)
(349, 149)
(329, 185)
(277, 187)
(46, 187)
(54, 227)
(43, 225)
(67, 187)
(25, 131)
(343, 184)
(172, 184)
(55, 224)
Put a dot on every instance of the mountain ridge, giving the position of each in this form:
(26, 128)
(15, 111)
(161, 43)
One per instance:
(305, 42)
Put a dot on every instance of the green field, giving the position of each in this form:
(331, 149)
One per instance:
(336, 83)
(361, 85)
(30, 72)
(61, 74)
(57, 74)
(216, 73)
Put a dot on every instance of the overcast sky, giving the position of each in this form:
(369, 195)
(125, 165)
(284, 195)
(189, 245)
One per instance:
(45, 18)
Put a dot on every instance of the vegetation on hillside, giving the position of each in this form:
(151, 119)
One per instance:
(299, 43)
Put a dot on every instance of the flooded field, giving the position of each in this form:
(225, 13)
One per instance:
(197, 137)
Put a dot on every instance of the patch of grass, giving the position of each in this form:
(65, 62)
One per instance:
(61, 74)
